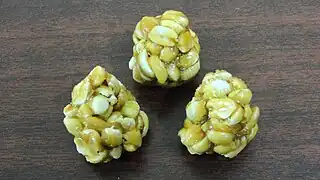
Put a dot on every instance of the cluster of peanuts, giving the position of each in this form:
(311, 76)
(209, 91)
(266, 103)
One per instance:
(166, 51)
(219, 117)
(106, 120)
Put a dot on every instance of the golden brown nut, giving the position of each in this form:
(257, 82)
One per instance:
(104, 118)
(166, 51)
(219, 118)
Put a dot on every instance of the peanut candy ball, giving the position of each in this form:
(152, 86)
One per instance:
(166, 51)
(104, 118)
(219, 118)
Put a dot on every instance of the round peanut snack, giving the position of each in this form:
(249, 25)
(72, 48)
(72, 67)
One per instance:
(166, 51)
(220, 118)
(104, 118)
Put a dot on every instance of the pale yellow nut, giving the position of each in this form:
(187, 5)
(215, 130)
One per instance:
(190, 72)
(145, 120)
(216, 88)
(81, 92)
(135, 38)
(89, 145)
(138, 32)
(114, 84)
(105, 91)
(130, 147)
(176, 16)
(196, 111)
(73, 125)
(172, 25)
(196, 44)
(182, 134)
(247, 113)
(237, 83)
(127, 123)
(135, 53)
(88, 140)
(130, 109)
(112, 100)
(139, 123)
(206, 126)
(147, 23)
(238, 150)
(95, 123)
(201, 147)
(122, 98)
(254, 118)
(185, 42)
(173, 72)
(217, 137)
(192, 135)
(143, 76)
(236, 117)
(144, 66)
(187, 123)
(162, 40)
(84, 111)
(220, 125)
(221, 107)
(133, 137)
(193, 34)
(99, 104)
(253, 133)
(89, 153)
(137, 75)
(111, 137)
(114, 116)
(168, 54)
(116, 152)
(187, 60)
(117, 125)
(163, 36)
(223, 149)
(159, 69)
(191, 150)
(70, 110)
(153, 48)
(97, 76)
(91, 138)
(242, 96)
(107, 113)
(165, 32)
(139, 47)
(132, 62)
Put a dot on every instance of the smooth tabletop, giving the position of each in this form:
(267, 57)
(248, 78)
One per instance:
(47, 46)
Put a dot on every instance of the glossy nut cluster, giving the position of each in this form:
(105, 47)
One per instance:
(219, 118)
(104, 118)
(166, 51)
